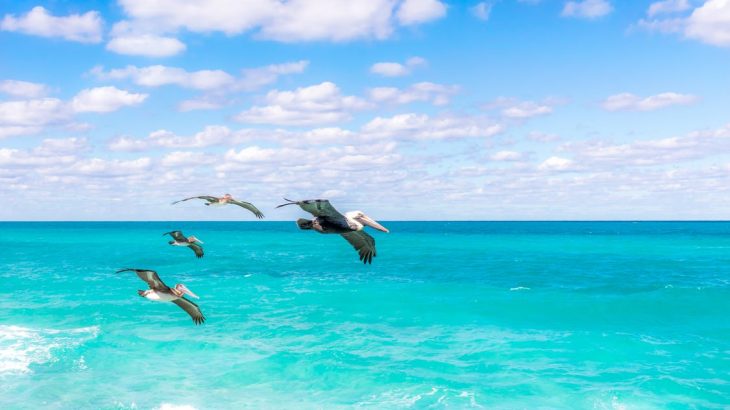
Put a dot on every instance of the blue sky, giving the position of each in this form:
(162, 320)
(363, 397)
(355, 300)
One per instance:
(406, 109)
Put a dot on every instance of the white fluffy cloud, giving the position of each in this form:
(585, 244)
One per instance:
(437, 94)
(392, 69)
(216, 84)
(587, 9)
(159, 75)
(557, 164)
(209, 136)
(526, 109)
(33, 113)
(710, 23)
(424, 127)
(105, 99)
(23, 89)
(287, 21)
(83, 28)
(631, 102)
(694, 145)
(317, 104)
(420, 11)
(515, 109)
(148, 45)
(27, 117)
(506, 156)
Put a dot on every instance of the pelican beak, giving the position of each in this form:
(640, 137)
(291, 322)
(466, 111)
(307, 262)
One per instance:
(197, 240)
(189, 292)
(366, 220)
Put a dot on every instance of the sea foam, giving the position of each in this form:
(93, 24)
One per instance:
(20, 347)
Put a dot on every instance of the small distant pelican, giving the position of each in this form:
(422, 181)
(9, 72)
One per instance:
(191, 242)
(159, 292)
(225, 200)
(350, 225)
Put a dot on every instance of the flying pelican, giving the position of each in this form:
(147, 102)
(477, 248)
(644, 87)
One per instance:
(159, 292)
(191, 242)
(225, 200)
(350, 225)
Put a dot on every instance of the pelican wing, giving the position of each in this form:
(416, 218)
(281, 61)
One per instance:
(149, 276)
(248, 206)
(363, 243)
(318, 208)
(206, 197)
(197, 249)
(177, 236)
(192, 309)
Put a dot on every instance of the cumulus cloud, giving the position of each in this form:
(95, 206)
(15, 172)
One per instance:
(216, 84)
(105, 99)
(34, 113)
(436, 94)
(218, 135)
(694, 145)
(587, 9)
(290, 21)
(83, 28)
(148, 45)
(159, 75)
(631, 102)
(506, 156)
(28, 117)
(424, 127)
(515, 109)
(420, 11)
(317, 104)
(556, 164)
(23, 89)
(392, 69)
(62, 146)
(210, 135)
(708, 23)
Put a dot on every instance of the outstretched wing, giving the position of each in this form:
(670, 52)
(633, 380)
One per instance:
(149, 276)
(206, 197)
(177, 236)
(192, 309)
(197, 249)
(248, 206)
(363, 243)
(318, 208)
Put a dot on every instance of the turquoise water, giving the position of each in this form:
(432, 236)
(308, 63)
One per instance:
(509, 315)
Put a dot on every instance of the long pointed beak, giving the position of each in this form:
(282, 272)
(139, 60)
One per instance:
(198, 240)
(366, 220)
(189, 292)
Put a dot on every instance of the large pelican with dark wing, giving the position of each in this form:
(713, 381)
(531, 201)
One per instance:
(159, 292)
(350, 225)
(178, 239)
(225, 200)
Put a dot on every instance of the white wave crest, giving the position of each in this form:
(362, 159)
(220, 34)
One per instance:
(21, 346)
(519, 288)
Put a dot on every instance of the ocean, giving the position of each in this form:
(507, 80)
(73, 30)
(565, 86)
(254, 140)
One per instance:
(497, 315)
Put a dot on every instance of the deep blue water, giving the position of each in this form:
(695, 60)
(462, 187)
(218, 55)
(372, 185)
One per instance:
(596, 315)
